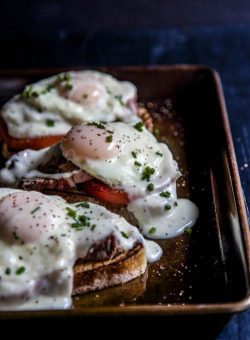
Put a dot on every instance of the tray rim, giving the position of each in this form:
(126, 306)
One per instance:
(155, 309)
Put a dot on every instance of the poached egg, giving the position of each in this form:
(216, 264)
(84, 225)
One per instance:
(41, 237)
(52, 106)
(131, 159)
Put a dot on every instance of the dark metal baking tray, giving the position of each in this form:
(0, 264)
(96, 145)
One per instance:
(206, 271)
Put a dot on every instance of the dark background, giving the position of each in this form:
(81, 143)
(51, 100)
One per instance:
(79, 33)
(81, 15)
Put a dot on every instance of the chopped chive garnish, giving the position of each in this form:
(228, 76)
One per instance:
(50, 122)
(152, 230)
(35, 210)
(124, 234)
(119, 98)
(7, 271)
(159, 153)
(134, 154)
(71, 213)
(29, 93)
(168, 207)
(97, 124)
(64, 77)
(93, 227)
(150, 187)
(109, 139)
(77, 226)
(188, 230)
(147, 172)
(84, 220)
(83, 205)
(20, 271)
(68, 86)
(137, 163)
(139, 126)
(165, 194)
(176, 204)
(50, 87)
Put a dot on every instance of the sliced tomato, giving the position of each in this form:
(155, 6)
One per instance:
(17, 144)
(103, 192)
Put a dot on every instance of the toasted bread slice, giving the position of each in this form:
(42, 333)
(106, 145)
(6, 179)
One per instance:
(95, 275)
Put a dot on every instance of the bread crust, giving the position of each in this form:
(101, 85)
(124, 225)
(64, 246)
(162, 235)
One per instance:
(91, 276)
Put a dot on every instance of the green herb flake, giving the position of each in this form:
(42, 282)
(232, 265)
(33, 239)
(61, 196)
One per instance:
(176, 204)
(84, 220)
(78, 226)
(20, 270)
(125, 235)
(188, 230)
(35, 210)
(139, 126)
(50, 122)
(97, 124)
(68, 86)
(134, 154)
(92, 227)
(29, 92)
(83, 205)
(159, 154)
(50, 87)
(150, 187)
(152, 230)
(166, 194)
(109, 139)
(64, 77)
(71, 213)
(137, 163)
(7, 271)
(147, 172)
(168, 207)
(119, 98)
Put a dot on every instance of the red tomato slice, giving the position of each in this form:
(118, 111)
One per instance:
(103, 192)
(17, 144)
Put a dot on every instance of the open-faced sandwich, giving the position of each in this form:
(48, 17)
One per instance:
(46, 110)
(115, 163)
(51, 250)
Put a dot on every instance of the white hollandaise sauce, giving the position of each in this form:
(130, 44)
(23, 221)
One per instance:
(41, 237)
